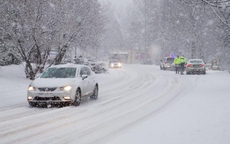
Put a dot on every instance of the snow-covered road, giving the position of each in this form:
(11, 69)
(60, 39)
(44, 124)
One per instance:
(134, 106)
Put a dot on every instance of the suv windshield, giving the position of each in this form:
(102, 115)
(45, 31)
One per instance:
(59, 73)
(114, 61)
(170, 60)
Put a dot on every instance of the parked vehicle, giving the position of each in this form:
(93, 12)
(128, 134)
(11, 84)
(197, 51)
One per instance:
(215, 67)
(114, 63)
(210, 66)
(215, 64)
(166, 63)
(63, 85)
(97, 67)
(195, 66)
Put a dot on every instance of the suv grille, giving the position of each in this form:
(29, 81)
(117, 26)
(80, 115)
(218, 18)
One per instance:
(46, 98)
(47, 89)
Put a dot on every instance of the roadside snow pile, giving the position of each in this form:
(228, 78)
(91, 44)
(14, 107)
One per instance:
(13, 86)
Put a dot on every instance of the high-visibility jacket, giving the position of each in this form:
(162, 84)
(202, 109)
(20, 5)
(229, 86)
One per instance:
(183, 60)
(177, 61)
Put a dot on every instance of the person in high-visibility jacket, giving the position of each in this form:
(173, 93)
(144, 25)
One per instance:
(177, 64)
(183, 62)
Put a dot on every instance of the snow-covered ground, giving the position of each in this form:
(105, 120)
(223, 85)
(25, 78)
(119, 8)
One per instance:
(138, 104)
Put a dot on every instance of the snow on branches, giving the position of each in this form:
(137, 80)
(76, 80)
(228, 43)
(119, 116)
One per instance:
(38, 27)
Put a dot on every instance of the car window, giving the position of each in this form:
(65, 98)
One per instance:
(114, 61)
(88, 71)
(59, 73)
(196, 61)
(170, 60)
(83, 71)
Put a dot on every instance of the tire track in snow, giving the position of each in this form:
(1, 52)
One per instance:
(97, 118)
(27, 128)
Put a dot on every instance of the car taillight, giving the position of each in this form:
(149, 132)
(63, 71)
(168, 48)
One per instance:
(188, 65)
(165, 62)
(203, 64)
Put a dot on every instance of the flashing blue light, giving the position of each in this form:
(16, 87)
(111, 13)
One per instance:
(173, 55)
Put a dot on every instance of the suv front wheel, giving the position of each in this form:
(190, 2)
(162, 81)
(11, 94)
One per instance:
(95, 93)
(77, 100)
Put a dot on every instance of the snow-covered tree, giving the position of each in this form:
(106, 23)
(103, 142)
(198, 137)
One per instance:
(218, 20)
(181, 27)
(37, 27)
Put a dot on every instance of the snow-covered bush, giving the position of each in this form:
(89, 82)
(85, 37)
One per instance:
(8, 55)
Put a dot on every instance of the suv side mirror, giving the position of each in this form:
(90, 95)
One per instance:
(84, 77)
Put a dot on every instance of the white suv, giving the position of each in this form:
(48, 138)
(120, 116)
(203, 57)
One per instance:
(63, 85)
(166, 63)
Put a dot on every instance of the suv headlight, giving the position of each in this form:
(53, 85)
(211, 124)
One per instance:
(119, 64)
(31, 88)
(66, 88)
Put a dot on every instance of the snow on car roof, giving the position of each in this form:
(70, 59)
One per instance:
(69, 65)
(195, 60)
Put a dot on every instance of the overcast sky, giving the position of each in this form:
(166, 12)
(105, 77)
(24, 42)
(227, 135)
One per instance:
(119, 2)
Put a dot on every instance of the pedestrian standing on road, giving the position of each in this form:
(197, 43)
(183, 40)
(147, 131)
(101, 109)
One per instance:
(182, 64)
(177, 64)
